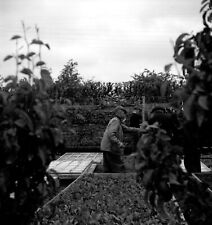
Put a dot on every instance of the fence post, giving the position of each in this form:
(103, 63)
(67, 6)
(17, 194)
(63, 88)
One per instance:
(143, 108)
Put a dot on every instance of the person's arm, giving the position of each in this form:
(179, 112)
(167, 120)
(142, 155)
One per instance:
(132, 129)
(112, 132)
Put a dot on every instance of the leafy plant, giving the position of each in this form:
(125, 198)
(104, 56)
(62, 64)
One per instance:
(158, 166)
(27, 60)
(29, 138)
(158, 160)
(194, 53)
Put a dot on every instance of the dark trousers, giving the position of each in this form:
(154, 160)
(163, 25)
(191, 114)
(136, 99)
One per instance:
(113, 163)
(190, 148)
(135, 140)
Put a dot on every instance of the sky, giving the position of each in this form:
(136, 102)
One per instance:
(110, 39)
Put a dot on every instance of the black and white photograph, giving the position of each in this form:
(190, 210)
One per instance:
(105, 112)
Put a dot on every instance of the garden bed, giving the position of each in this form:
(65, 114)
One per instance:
(100, 199)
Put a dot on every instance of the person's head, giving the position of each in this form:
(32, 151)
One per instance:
(120, 112)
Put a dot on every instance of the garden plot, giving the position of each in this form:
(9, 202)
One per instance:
(71, 165)
(102, 199)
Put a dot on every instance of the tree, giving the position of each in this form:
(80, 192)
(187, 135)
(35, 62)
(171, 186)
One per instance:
(155, 86)
(69, 83)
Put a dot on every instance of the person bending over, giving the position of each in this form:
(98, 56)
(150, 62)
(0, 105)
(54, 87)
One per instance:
(112, 142)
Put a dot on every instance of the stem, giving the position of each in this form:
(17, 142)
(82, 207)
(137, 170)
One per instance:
(38, 37)
(27, 42)
(39, 48)
(16, 57)
(28, 48)
(33, 66)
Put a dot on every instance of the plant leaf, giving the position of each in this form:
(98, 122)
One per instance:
(7, 57)
(40, 63)
(203, 1)
(21, 56)
(27, 71)
(46, 77)
(15, 37)
(200, 118)
(10, 78)
(204, 4)
(203, 102)
(173, 179)
(179, 40)
(168, 67)
(20, 123)
(47, 45)
(26, 118)
(30, 54)
(188, 107)
(37, 42)
(41, 114)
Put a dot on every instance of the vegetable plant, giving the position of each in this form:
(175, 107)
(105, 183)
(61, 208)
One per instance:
(29, 137)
